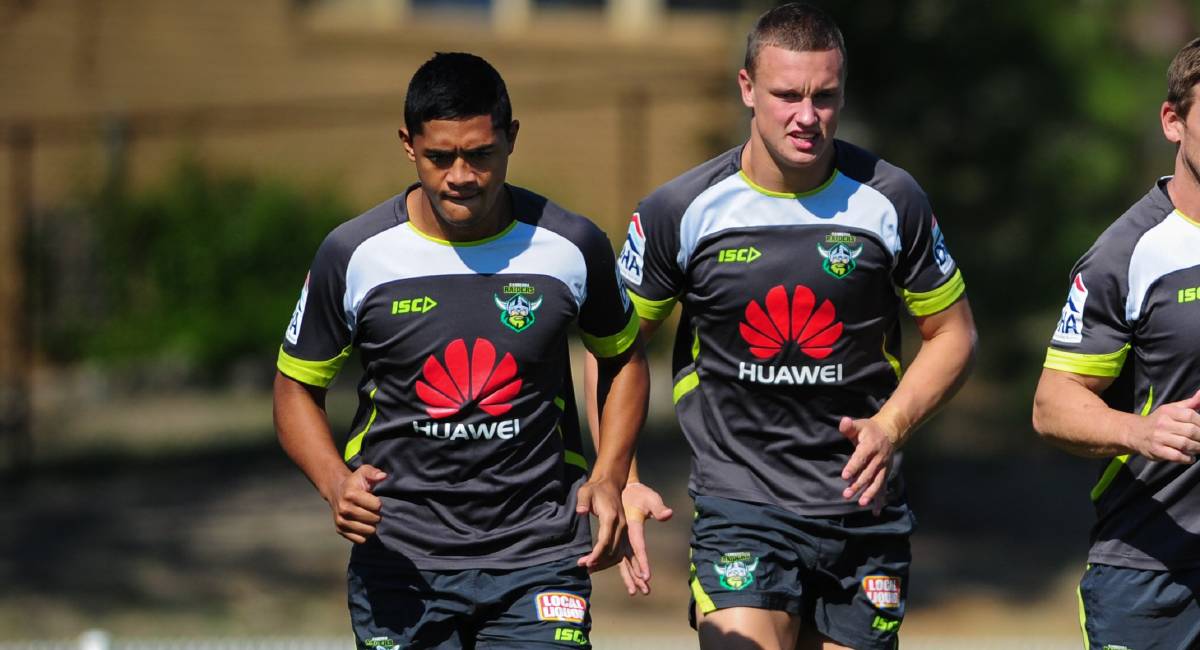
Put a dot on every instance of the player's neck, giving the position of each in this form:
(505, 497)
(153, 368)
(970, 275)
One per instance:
(1184, 188)
(425, 219)
(768, 173)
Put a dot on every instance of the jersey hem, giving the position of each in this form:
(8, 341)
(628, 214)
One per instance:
(390, 557)
(806, 508)
(1139, 562)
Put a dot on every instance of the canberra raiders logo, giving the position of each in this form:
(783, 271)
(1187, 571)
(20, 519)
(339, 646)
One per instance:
(736, 570)
(517, 313)
(840, 257)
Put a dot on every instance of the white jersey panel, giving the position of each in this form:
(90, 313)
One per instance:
(1166, 248)
(732, 203)
(523, 249)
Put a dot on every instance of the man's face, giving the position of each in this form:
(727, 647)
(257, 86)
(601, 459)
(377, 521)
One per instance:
(796, 98)
(1184, 130)
(462, 165)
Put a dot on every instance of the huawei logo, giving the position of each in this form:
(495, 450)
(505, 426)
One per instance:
(767, 331)
(465, 380)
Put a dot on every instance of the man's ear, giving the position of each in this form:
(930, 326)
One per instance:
(406, 138)
(512, 135)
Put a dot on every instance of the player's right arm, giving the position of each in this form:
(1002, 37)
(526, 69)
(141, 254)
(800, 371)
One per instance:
(316, 344)
(1069, 413)
(303, 430)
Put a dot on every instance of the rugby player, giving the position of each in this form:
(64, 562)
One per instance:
(462, 484)
(1121, 383)
(792, 256)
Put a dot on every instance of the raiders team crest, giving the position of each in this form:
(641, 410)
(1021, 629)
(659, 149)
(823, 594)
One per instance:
(517, 311)
(840, 255)
(736, 570)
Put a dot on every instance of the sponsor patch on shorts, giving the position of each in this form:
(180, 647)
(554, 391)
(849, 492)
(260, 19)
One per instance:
(882, 591)
(560, 606)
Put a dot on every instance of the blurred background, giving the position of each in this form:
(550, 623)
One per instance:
(167, 169)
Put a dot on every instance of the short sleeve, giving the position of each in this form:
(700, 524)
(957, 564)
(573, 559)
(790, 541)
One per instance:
(318, 338)
(649, 260)
(926, 273)
(1092, 335)
(608, 322)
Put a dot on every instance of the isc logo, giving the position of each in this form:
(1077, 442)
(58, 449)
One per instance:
(413, 305)
(571, 635)
(1190, 294)
(747, 255)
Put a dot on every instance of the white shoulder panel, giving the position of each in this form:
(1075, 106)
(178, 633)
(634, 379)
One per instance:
(732, 203)
(1172, 245)
(401, 253)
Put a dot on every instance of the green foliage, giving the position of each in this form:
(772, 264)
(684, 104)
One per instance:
(204, 268)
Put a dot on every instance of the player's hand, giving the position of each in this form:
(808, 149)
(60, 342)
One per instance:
(869, 465)
(1171, 432)
(355, 509)
(601, 497)
(641, 503)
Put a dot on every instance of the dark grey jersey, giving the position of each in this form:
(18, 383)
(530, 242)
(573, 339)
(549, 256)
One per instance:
(791, 306)
(466, 398)
(1131, 314)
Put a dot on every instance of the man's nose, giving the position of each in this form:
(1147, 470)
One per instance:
(806, 113)
(460, 172)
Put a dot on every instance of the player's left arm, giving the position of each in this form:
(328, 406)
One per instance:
(622, 395)
(939, 369)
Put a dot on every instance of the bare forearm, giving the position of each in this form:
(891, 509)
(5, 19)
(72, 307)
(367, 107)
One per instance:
(303, 431)
(937, 372)
(1073, 417)
(623, 390)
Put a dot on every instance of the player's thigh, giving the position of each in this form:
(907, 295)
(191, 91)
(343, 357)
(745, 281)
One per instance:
(811, 639)
(393, 607)
(1135, 608)
(544, 606)
(747, 628)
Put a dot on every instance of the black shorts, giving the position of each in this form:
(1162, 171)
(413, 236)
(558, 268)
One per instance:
(1137, 609)
(846, 576)
(544, 606)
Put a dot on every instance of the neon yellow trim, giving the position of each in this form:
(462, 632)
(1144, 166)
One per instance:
(1110, 472)
(652, 309)
(560, 403)
(1187, 218)
(576, 459)
(931, 302)
(695, 344)
(1094, 365)
(1087, 644)
(786, 195)
(706, 604)
(895, 363)
(685, 386)
(313, 373)
(354, 446)
(477, 242)
(611, 346)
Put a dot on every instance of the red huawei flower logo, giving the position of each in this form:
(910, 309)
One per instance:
(446, 390)
(814, 331)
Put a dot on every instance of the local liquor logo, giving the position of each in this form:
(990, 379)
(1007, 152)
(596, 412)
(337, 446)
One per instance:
(465, 382)
(560, 606)
(786, 323)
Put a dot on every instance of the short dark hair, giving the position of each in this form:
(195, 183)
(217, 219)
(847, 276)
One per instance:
(456, 86)
(1182, 77)
(797, 27)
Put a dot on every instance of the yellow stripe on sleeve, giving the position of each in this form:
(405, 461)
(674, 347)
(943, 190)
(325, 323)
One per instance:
(1094, 365)
(931, 302)
(611, 346)
(652, 309)
(313, 373)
